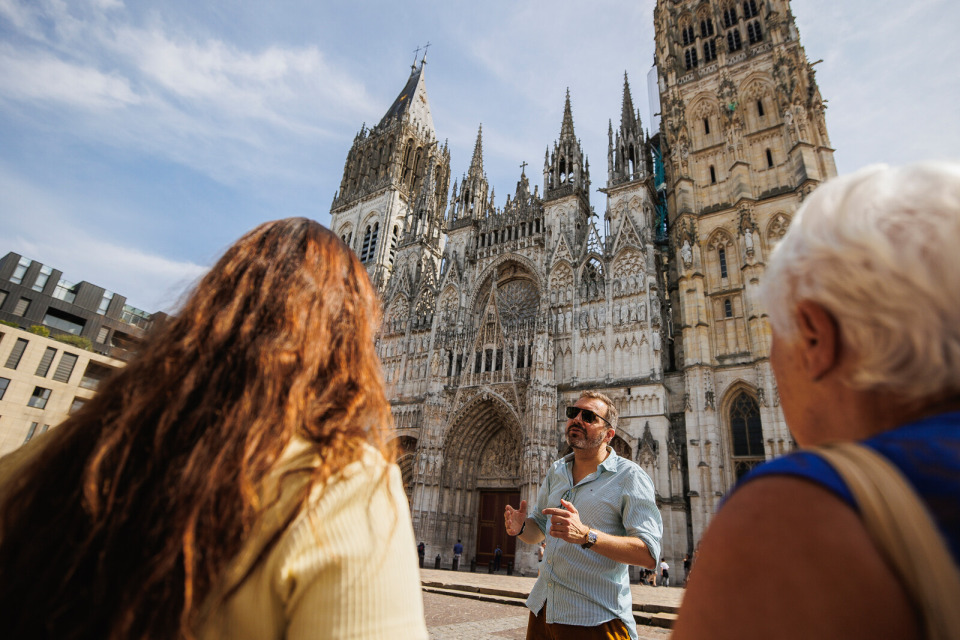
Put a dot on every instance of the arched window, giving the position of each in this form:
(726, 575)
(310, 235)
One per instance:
(760, 112)
(394, 239)
(369, 248)
(749, 9)
(746, 434)
(688, 34)
(727, 308)
(754, 34)
(734, 41)
(706, 28)
(769, 159)
(722, 256)
(709, 51)
(730, 16)
(713, 175)
(706, 126)
(690, 57)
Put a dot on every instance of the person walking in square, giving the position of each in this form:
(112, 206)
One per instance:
(599, 515)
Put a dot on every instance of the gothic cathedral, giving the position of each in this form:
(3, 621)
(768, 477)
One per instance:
(496, 317)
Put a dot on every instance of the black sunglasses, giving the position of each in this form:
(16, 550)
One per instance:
(588, 416)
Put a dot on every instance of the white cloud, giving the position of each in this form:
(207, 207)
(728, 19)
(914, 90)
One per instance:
(40, 77)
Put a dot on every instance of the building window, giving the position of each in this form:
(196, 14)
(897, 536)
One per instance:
(709, 51)
(63, 321)
(94, 374)
(46, 361)
(753, 32)
(13, 360)
(722, 256)
(749, 9)
(760, 112)
(688, 35)
(706, 28)
(65, 368)
(394, 240)
(690, 57)
(21, 269)
(31, 432)
(730, 16)
(369, 248)
(4, 383)
(23, 304)
(77, 404)
(727, 308)
(734, 42)
(102, 335)
(39, 398)
(3, 297)
(66, 291)
(706, 126)
(42, 278)
(105, 302)
(713, 175)
(747, 434)
(769, 159)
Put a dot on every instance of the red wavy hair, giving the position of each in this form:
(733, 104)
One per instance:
(123, 523)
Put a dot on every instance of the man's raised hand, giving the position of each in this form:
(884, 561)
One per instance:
(514, 518)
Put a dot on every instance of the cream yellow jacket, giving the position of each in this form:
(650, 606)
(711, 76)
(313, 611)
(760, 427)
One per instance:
(345, 567)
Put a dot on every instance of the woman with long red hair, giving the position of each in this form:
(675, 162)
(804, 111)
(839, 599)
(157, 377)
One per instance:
(234, 480)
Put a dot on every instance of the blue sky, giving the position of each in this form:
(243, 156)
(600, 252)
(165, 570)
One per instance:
(139, 139)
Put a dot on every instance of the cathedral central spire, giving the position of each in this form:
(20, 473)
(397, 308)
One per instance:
(476, 164)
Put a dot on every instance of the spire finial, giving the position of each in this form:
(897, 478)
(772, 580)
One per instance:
(566, 130)
(476, 164)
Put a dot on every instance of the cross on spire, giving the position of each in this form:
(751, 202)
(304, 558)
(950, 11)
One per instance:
(523, 167)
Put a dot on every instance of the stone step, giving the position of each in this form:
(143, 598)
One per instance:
(645, 614)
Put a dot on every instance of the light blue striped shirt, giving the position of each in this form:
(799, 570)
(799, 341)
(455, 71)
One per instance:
(580, 586)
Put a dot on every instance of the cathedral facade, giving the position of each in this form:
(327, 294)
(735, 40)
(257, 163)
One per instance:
(496, 317)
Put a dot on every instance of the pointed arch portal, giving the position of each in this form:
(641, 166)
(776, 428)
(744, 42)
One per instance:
(481, 475)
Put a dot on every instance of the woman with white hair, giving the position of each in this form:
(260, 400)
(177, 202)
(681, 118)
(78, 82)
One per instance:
(863, 294)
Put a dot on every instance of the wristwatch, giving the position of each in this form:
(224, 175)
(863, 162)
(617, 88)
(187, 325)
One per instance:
(591, 539)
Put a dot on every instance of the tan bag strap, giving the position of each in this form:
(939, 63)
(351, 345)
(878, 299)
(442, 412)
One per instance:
(901, 527)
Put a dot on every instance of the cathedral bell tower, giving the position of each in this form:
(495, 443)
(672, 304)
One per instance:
(394, 186)
(744, 141)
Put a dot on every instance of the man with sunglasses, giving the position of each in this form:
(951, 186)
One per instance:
(599, 515)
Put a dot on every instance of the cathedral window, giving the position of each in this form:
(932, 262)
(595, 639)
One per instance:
(709, 51)
(746, 433)
(722, 257)
(753, 32)
(488, 359)
(520, 359)
(713, 175)
(769, 159)
(369, 242)
(688, 35)
(730, 16)
(749, 9)
(478, 362)
(706, 28)
(727, 308)
(734, 41)
(760, 112)
(690, 56)
(394, 239)
(706, 126)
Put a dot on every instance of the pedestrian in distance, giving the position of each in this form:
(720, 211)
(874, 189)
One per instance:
(497, 556)
(234, 480)
(664, 573)
(599, 515)
(863, 296)
(457, 554)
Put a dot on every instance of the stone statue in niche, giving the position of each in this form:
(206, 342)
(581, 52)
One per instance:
(686, 253)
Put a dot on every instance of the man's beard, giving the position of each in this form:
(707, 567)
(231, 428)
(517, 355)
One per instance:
(579, 439)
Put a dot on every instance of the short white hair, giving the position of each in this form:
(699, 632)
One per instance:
(880, 250)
